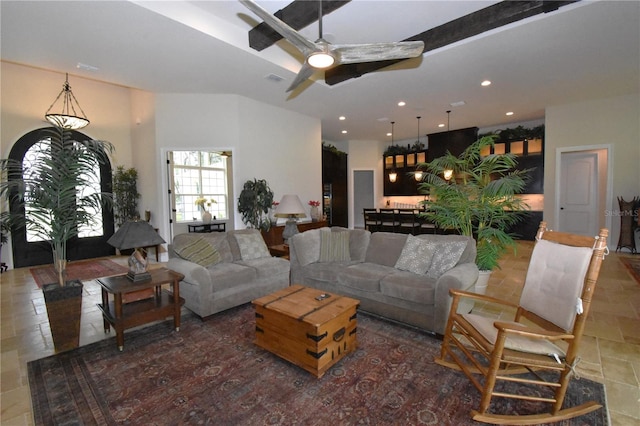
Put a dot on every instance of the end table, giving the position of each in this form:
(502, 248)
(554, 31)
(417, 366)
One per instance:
(127, 315)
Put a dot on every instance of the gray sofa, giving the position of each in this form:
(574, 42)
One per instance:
(225, 269)
(398, 276)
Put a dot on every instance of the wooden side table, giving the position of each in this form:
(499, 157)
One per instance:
(280, 250)
(127, 315)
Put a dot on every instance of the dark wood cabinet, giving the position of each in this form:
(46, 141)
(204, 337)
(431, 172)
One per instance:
(403, 165)
(454, 141)
(334, 188)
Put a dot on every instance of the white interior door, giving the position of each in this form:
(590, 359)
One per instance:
(579, 193)
(363, 196)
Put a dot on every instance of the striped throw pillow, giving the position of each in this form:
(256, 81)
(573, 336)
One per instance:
(334, 246)
(199, 251)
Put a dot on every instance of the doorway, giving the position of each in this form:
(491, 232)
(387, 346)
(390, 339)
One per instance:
(363, 196)
(29, 249)
(583, 179)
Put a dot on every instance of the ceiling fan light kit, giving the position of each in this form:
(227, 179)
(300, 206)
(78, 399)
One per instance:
(323, 55)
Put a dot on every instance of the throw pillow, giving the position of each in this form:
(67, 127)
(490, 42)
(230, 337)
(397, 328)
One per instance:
(334, 246)
(445, 257)
(307, 246)
(416, 255)
(252, 246)
(199, 251)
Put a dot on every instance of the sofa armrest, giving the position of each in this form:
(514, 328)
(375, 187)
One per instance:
(193, 273)
(461, 277)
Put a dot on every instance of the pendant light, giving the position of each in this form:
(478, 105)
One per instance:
(393, 175)
(418, 173)
(67, 118)
(448, 173)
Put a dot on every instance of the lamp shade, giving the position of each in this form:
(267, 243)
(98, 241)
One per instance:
(135, 234)
(290, 206)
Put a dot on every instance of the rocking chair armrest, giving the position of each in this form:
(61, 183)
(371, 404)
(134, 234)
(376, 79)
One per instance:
(522, 330)
(481, 297)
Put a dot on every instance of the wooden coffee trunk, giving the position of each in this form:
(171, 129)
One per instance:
(308, 327)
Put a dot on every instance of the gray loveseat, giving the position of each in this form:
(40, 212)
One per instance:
(398, 276)
(225, 269)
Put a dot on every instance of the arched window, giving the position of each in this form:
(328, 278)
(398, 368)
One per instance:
(28, 247)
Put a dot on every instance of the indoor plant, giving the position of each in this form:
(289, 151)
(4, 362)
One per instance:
(254, 203)
(53, 210)
(479, 201)
(125, 195)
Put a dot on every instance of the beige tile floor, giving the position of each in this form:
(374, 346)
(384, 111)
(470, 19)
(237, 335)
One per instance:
(610, 352)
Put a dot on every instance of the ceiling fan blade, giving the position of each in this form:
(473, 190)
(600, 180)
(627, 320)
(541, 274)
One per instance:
(373, 52)
(305, 72)
(302, 44)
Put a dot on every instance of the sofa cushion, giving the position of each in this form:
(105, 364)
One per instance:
(364, 276)
(307, 246)
(334, 246)
(252, 246)
(228, 275)
(358, 243)
(267, 267)
(409, 286)
(199, 251)
(325, 271)
(416, 255)
(385, 248)
(446, 257)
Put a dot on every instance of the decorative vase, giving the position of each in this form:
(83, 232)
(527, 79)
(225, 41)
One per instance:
(64, 308)
(314, 212)
(206, 217)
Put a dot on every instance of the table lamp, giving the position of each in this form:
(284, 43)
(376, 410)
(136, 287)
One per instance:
(133, 235)
(290, 207)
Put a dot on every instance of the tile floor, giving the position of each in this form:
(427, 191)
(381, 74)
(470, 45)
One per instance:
(610, 352)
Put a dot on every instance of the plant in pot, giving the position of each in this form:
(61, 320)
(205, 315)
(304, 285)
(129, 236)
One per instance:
(125, 195)
(479, 200)
(256, 198)
(54, 210)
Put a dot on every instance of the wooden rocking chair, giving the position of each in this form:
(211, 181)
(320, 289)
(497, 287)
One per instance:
(545, 334)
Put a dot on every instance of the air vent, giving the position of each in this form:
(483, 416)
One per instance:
(275, 78)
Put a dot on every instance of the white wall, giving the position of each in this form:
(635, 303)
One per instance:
(612, 121)
(27, 93)
(270, 143)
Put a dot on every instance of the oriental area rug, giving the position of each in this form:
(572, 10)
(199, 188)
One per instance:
(633, 266)
(82, 270)
(211, 373)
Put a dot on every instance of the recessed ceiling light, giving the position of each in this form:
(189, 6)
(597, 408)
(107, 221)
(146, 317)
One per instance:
(344, 132)
(486, 83)
(509, 113)
(457, 103)
(342, 117)
(441, 125)
(402, 103)
(389, 134)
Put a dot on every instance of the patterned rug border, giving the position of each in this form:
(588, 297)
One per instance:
(390, 379)
(633, 266)
(99, 268)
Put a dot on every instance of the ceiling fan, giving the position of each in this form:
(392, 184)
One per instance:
(323, 55)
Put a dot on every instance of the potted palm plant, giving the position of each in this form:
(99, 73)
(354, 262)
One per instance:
(53, 210)
(479, 200)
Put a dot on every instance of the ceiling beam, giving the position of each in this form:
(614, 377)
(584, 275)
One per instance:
(494, 16)
(297, 15)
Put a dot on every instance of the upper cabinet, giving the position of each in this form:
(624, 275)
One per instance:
(398, 172)
(454, 141)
